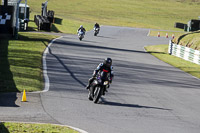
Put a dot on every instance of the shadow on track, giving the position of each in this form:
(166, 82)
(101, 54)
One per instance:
(106, 37)
(8, 99)
(67, 68)
(76, 44)
(152, 74)
(104, 102)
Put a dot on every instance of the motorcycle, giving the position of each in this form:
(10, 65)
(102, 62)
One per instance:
(96, 31)
(99, 86)
(80, 35)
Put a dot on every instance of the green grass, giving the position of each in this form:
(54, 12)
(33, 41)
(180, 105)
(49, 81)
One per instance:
(156, 14)
(21, 62)
(190, 39)
(10, 127)
(66, 26)
(161, 52)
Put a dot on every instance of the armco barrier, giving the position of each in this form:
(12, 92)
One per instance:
(184, 52)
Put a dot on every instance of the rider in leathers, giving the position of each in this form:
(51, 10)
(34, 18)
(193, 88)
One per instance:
(105, 66)
(81, 28)
(96, 25)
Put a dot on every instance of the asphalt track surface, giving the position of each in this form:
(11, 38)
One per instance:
(146, 96)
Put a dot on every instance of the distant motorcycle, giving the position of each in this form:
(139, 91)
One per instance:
(80, 35)
(99, 86)
(96, 31)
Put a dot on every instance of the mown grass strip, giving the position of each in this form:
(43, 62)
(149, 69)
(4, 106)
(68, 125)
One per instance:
(11, 127)
(21, 62)
(161, 52)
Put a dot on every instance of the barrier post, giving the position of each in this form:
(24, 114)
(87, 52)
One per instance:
(170, 47)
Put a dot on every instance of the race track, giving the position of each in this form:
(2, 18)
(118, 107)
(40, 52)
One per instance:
(146, 96)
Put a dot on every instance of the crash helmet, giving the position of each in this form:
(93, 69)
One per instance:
(107, 62)
(81, 26)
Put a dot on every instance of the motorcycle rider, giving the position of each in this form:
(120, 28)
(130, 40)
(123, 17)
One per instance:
(96, 26)
(105, 66)
(81, 28)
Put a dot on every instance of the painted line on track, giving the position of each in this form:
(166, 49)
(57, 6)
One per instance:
(149, 33)
(46, 78)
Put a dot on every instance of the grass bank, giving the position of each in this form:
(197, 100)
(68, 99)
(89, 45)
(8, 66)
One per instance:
(21, 62)
(9, 127)
(156, 14)
(161, 52)
(190, 39)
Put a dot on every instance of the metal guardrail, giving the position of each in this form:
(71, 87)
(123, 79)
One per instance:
(185, 53)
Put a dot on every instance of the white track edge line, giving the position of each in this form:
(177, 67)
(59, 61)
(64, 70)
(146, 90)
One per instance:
(149, 33)
(46, 78)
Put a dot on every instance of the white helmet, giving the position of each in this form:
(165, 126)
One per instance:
(81, 26)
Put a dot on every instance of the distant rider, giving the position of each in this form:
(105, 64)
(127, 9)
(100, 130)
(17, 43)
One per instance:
(105, 66)
(96, 26)
(81, 28)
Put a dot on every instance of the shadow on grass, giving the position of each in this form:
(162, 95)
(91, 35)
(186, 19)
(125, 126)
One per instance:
(55, 29)
(7, 83)
(32, 29)
(32, 38)
(58, 21)
(3, 129)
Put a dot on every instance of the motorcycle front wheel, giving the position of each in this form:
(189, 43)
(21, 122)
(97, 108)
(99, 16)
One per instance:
(97, 94)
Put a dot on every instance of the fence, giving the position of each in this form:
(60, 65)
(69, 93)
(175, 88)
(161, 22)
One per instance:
(184, 53)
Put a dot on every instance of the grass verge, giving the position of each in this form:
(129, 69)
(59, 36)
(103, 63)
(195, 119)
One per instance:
(21, 62)
(161, 52)
(10, 127)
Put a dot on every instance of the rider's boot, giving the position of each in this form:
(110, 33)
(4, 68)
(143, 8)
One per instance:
(90, 97)
(87, 87)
